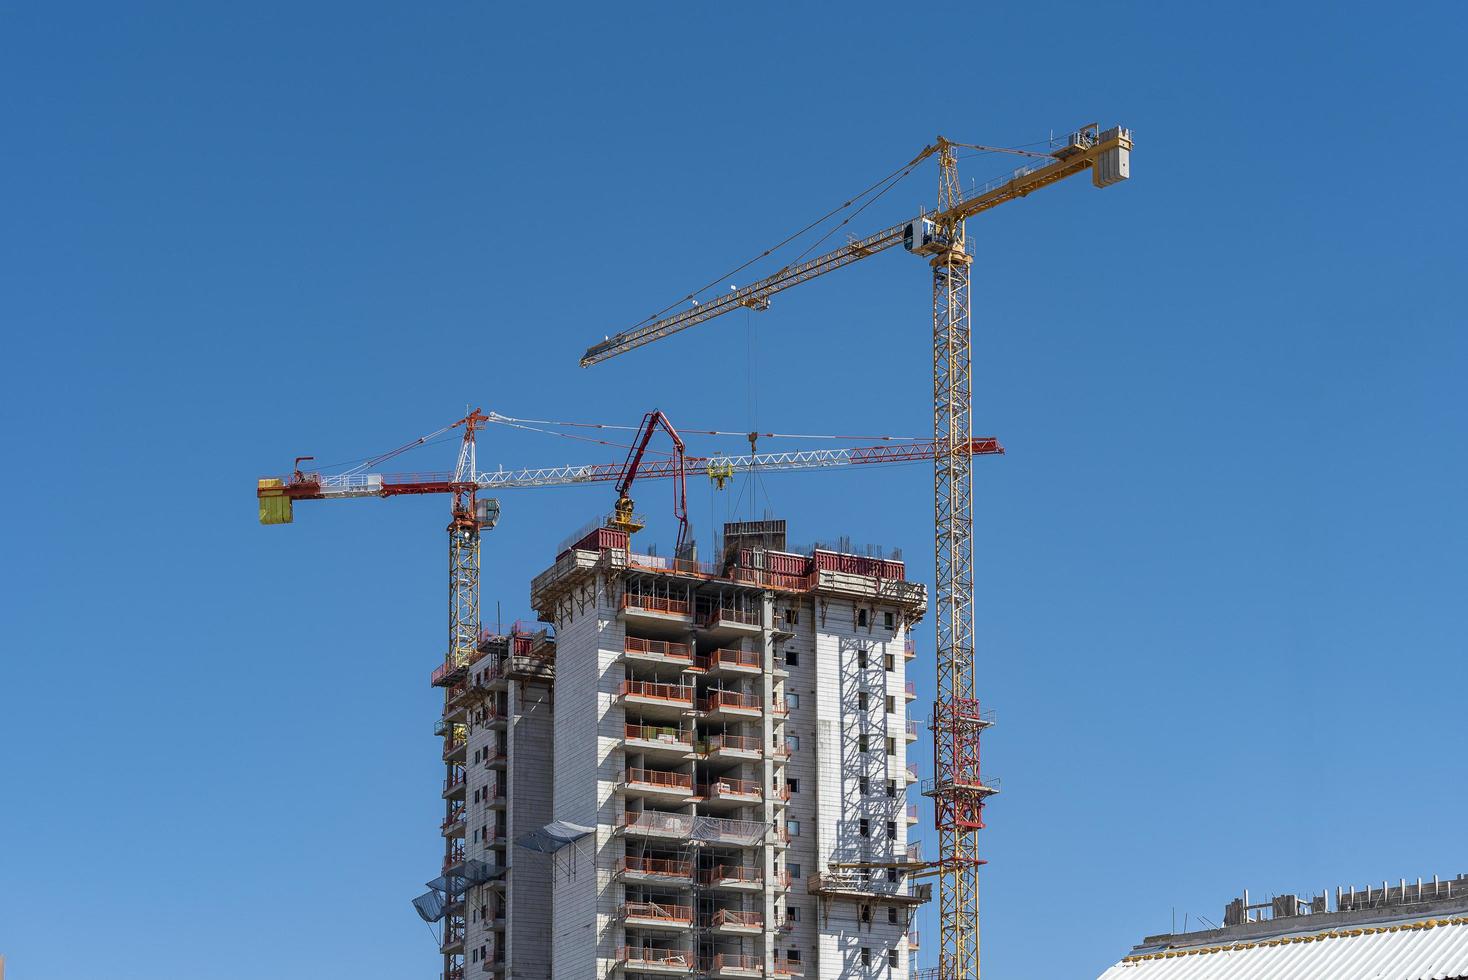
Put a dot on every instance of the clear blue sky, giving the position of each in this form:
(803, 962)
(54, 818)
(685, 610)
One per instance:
(1221, 569)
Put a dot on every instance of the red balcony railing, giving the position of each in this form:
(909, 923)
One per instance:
(659, 648)
(909, 650)
(454, 781)
(912, 939)
(672, 914)
(714, 614)
(740, 920)
(732, 872)
(910, 688)
(679, 824)
(655, 866)
(733, 743)
(725, 657)
(677, 958)
(735, 961)
(730, 787)
(672, 693)
(653, 603)
(672, 737)
(788, 968)
(718, 700)
(659, 778)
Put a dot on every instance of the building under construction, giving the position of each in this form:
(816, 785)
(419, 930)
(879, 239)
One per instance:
(695, 769)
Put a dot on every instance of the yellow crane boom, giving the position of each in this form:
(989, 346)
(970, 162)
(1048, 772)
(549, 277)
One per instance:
(1105, 154)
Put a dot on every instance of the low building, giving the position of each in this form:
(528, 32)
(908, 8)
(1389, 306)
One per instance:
(1404, 931)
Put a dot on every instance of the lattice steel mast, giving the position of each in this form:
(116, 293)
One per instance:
(956, 788)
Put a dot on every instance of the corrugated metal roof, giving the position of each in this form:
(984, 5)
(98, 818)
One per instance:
(1426, 949)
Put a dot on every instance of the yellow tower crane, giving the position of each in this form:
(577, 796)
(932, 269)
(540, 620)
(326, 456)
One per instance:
(957, 789)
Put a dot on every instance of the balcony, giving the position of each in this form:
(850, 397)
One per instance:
(656, 609)
(651, 823)
(453, 824)
(657, 915)
(910, 771)
(909, 689)
(731, 661)
(723, 618)
(658, 783)
(737, 833)
(915, 852)
(909, 650)
(735, 965)
(732, 704)
(732, 747)
(454, 856)
(912, 939)
(734, 877)
(912, 731)
(659, 739)
(912, 814)
(497, 759)
(729, 790)
(452, 942)
(654, 959)
(658, 651)
(729, 922)
(453, 786)
(788, 968)
(659, 870)
(657, 699)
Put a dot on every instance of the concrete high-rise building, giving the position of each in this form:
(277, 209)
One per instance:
(703, 773)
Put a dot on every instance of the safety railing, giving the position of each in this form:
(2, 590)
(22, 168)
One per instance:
(784, 967)
(731, 873)
(737, 920)
(655, 603)
(672, 693)
(661, 867)
(708, 616)
(732, 743)
(742, 962)
(656, 956)
(909, 649)
(718, 700)
(666, 649)
(652, 821)
(673, 914)
(727, 657)
(909, 688)
(660, 734)
(913, 940)
(912, 811)
(915, 852)
(454, 781)
(454, 856)
(658, 779)
(455, 816)
(721, 788)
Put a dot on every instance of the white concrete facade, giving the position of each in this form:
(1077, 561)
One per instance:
(729, 735)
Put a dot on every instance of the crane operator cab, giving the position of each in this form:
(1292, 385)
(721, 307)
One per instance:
(922, 236)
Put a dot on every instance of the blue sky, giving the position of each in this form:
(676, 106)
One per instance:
(1221, 569)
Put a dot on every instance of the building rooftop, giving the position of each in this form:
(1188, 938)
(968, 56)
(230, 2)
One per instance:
(1406, 931)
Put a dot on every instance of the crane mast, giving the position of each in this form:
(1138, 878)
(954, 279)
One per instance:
(956, 788)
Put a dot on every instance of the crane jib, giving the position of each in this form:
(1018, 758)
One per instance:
(1106, 154)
